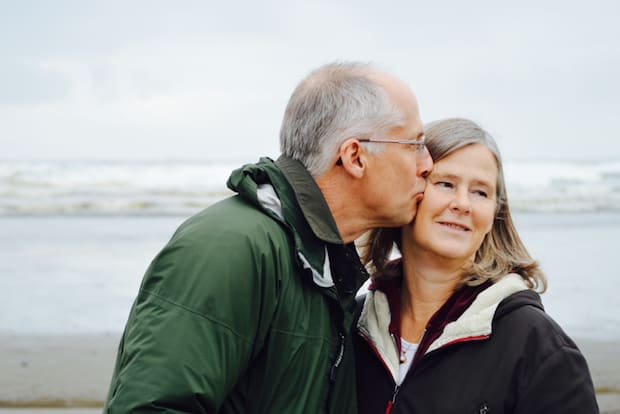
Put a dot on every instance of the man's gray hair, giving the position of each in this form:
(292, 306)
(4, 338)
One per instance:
(333, 103)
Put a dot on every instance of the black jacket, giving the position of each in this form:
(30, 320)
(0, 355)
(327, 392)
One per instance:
(521, 362)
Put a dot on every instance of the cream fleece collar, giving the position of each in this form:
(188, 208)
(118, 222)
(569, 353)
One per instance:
(475, 323)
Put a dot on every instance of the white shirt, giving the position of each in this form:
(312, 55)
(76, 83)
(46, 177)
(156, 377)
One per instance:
(408, 350)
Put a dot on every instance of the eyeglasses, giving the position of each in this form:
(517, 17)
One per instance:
(420, 144)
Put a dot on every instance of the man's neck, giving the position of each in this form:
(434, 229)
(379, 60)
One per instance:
(349, 219)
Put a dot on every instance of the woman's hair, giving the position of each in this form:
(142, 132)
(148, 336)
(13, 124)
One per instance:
(502, 250)
(333, 103)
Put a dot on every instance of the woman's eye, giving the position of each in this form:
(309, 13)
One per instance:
(444, 184)
(481, 193)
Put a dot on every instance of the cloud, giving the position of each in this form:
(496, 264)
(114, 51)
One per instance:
(27, 83)
(143, 79)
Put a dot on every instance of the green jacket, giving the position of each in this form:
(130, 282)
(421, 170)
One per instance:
(248, 308)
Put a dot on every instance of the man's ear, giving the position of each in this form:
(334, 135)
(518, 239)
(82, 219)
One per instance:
(353, 157)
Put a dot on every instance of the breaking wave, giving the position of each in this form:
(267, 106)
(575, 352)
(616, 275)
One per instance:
(182, 188)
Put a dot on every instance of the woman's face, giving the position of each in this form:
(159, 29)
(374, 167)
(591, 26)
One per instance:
(458, 206)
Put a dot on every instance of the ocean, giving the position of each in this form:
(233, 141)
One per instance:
(76, 237)
(113, 188)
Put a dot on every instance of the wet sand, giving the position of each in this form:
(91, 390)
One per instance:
(42, 374)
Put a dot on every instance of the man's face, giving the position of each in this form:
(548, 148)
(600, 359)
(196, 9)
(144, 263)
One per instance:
(396, 174)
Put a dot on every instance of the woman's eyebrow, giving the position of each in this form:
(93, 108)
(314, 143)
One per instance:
(484, 183)
(437, 174)
(456, 177)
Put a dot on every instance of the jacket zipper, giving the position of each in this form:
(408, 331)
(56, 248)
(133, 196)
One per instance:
(398, 351)
(364, 335)
(334, 369)
(391, 403)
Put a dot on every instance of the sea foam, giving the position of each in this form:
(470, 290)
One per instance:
(182, 188)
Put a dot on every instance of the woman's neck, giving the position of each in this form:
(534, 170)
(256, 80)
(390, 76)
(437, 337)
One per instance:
(427, 285)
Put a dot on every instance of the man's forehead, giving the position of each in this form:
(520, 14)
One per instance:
(416, 131)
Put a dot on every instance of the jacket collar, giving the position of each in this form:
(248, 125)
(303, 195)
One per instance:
(289, 194)
(310, 199)
(476, 322)
(467, 315)
(389, 282)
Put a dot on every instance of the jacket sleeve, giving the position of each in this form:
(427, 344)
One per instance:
(201, 315)
(561, 384)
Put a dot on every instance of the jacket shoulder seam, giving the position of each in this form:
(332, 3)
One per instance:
(195, 312)
(297, 334)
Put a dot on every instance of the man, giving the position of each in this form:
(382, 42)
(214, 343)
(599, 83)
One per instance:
(249, 307)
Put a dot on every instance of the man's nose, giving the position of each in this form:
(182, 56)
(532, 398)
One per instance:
(425, 164)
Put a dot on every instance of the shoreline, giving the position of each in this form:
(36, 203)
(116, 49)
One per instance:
(55, 371)
(44, 373)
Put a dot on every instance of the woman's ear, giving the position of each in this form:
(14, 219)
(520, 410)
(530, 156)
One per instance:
(353, 158)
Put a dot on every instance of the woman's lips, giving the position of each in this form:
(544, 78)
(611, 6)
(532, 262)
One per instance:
(454, 225)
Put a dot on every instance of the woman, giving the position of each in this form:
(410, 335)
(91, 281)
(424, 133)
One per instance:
(456, 325)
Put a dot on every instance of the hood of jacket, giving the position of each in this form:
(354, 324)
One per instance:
(475, 323)
(287, 192)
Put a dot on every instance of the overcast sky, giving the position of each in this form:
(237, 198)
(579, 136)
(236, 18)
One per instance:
(210, 79)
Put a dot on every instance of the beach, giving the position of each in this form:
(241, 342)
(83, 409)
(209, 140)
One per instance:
(69, 282)
(71, 373)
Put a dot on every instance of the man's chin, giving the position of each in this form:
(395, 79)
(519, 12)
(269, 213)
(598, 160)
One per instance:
(400, 219)
(408, 219)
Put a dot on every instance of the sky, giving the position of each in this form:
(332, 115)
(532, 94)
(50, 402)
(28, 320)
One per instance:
(209, 80)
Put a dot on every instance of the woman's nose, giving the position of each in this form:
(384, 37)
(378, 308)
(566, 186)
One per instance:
(461, 201)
